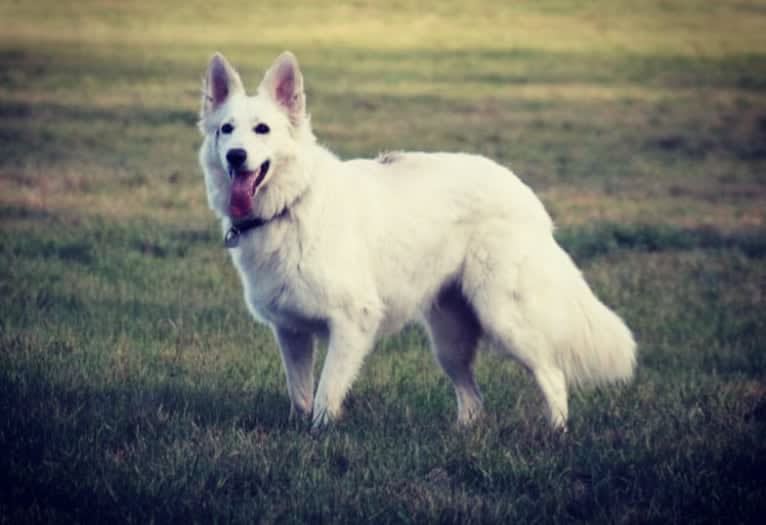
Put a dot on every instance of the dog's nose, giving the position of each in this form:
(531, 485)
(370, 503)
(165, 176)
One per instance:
(236, 157)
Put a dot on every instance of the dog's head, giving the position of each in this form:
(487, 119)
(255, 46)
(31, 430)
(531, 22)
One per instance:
(251, 152)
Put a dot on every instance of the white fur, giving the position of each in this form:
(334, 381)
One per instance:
(358, 248)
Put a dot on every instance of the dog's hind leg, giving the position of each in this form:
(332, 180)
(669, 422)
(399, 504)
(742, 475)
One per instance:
(554, 386)
(505, 322)
(523, 323)
(349, 344)
(297, 349)
(454, 332)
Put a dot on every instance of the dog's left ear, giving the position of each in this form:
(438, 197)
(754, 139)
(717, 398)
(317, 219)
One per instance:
(283, 82)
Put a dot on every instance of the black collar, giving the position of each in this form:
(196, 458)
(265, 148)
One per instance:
(231, 239)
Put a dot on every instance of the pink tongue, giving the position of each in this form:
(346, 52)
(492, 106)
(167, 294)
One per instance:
(241, 203)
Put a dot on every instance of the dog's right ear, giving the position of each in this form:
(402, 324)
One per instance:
(221, 81)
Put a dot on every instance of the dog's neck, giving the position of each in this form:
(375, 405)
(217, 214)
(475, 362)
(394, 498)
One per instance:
(233, 234)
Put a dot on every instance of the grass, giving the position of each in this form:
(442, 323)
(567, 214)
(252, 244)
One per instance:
(134, 388)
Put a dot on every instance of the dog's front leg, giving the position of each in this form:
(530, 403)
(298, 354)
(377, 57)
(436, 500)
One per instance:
(297, 349)
(349, 343)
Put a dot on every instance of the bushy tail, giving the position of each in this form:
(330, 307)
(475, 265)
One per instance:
(600, 348)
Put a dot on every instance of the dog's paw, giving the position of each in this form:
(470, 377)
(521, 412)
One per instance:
(470, 423)
(298, 415)
(320, 421)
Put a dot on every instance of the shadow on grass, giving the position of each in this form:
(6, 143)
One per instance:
(601, 239)
(144, 451)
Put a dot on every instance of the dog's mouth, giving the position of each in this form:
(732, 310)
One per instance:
(244, 184)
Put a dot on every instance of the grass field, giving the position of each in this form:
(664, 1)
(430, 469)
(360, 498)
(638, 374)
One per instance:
(134, 388)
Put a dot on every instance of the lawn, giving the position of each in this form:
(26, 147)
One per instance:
(135, 388)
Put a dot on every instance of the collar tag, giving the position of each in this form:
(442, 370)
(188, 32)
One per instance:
(231, 240)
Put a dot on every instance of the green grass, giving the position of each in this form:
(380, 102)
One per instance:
(134, 387)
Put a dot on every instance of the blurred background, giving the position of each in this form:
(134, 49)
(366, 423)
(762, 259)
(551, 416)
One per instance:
(133, 385)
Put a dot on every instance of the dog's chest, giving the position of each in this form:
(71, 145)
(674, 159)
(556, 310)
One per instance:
(281, 298)
(286, 310)
(293, 320)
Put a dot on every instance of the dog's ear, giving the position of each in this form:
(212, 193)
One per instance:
(221, 81)
(283, 82)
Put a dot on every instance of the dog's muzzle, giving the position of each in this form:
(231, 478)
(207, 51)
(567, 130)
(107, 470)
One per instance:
(244, 184)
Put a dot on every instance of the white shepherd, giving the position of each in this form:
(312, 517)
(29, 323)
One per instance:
(353, 250)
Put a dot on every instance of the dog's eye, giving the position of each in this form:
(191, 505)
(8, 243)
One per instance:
(226, 129)
(261, 129)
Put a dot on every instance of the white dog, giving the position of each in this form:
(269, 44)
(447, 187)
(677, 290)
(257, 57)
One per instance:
(353, 250)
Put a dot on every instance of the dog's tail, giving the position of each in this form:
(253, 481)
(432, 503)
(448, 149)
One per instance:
(600, 347)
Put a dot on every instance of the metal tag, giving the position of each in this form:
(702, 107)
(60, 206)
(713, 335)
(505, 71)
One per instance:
(231, 240)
